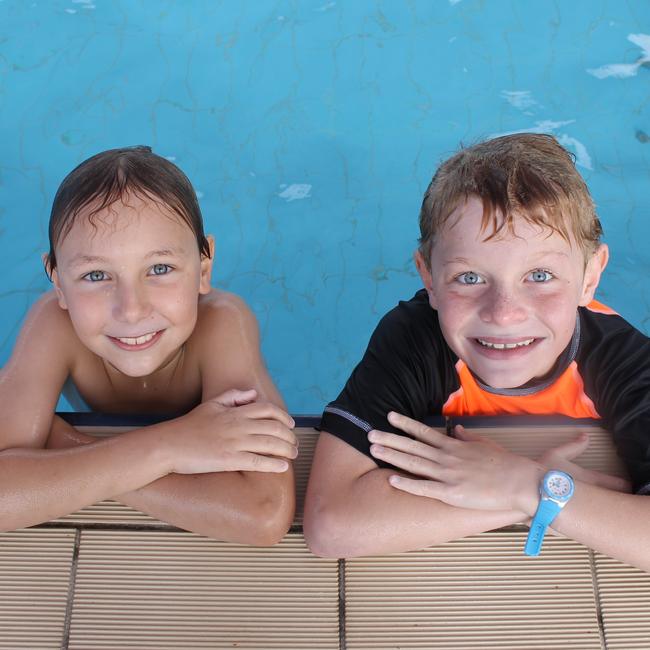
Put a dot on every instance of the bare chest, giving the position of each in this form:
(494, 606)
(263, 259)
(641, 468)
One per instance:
(171, 390)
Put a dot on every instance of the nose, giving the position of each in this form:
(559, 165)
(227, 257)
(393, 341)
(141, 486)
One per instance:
(502, 306)
(131, 303)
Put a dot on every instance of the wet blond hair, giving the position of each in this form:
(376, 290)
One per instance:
(525, 175)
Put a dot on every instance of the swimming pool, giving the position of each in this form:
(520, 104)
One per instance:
(310, 131)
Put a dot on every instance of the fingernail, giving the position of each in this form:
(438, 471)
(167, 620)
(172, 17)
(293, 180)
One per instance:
(372, 436)
(394, 480)
(376, 449)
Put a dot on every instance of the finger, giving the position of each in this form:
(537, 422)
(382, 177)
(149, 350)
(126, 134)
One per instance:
(430, 489)
(461, 433)
(402, 443)
(235, 397)
(415, 465)
(268, 411)
(270, 428)
(62, 437)
(270, 446)
(419, 430)
(570, 450)
(257, 463)
(607, 481)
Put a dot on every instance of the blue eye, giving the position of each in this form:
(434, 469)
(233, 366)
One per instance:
(540, 275)
(95, 276)
(160, 269)
(470, 278)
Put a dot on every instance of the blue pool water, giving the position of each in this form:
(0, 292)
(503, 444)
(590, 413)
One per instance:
(310, 130)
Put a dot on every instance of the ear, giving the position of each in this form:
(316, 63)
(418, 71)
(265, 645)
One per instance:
(595, 266)
(425, 273)
(54, 278)
(206, 268)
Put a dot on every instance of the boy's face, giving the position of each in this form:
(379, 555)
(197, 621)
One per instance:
(131, 284)
(507, 306)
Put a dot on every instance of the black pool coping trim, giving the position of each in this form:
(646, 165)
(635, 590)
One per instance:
(86, 419)
(137, 420)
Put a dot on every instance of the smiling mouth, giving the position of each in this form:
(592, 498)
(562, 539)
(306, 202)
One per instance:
(136, 342)
(139, 340)
(490, 345)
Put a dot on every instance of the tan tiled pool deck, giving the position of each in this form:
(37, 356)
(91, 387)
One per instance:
(108, 577)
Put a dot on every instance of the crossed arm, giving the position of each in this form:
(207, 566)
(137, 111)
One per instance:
(249, 507)
(449, 488)
(223, 470)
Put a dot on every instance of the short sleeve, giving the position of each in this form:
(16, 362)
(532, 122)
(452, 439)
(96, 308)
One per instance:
(400, 371)
(617, 374)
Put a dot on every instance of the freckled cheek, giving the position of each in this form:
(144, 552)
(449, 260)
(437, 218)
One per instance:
(179, 301)
(455, 309)
(88, 312)
(558, 311)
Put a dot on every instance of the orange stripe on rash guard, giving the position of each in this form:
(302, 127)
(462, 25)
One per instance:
(599, 308)
(565, 396)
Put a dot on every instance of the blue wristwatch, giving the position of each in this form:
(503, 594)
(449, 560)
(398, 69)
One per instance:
(555, 490)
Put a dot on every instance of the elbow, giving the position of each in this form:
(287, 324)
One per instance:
(272, 517)
(271, 526)
(327, 534)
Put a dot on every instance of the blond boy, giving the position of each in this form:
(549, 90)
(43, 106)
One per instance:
(510, 257)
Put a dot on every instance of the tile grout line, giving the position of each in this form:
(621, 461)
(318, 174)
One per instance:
(599, 609)
(342, 641)
(65, 639)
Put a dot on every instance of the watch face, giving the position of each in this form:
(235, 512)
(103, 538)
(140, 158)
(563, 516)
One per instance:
(558, 485)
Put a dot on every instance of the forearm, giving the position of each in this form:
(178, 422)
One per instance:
(612, 523)
(245, 507)
(371, 517)
(37, 485)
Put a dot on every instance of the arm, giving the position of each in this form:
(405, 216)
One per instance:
(197, 502)
(36, 485)
(39, 484)
(610, 522)
(351, 509)
(242, 506)
(473, 473)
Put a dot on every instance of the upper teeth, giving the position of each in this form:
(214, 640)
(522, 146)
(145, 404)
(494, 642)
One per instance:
(137, 341)
(505, 346)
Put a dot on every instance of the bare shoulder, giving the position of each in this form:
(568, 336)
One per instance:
(32, 379)
(47, 332)
(226, 343)
(224, 316)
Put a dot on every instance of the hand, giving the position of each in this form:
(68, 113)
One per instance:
(64, 435)
(235, 397)
(232, 432)
(467, 471)
(560, 457)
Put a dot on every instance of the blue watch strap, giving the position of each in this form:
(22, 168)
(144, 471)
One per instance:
(546, 513)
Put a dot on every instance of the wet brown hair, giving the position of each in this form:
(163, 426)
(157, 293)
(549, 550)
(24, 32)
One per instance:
(525, 175)
(110, 176)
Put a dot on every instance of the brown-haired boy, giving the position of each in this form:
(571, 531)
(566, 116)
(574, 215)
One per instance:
(510, 257)
(134, 326)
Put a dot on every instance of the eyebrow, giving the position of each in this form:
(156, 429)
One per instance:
(166, 252)
(553, 253)
(82, 260)
(536, 256)
(456, 260)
